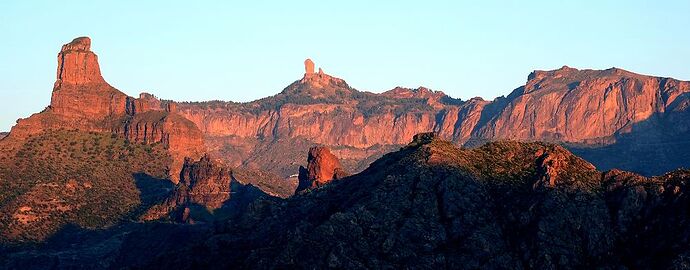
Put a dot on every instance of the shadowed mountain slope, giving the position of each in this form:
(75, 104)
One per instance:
(434, 205)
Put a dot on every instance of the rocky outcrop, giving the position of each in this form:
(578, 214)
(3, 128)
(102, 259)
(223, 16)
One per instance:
(148, 102)
(80, 91)
(83, 100)
(308, 67)
(204, 183)
(77, 64)
(582, 108)
(322, 168)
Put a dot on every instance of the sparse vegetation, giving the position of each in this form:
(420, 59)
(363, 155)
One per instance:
(70, 177)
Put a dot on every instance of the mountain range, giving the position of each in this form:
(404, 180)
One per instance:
(323, 175)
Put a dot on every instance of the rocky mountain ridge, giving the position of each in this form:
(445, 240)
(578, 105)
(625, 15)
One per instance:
(505, 205)
(92, 142)
(606, 116)
(594, 112)
(83, 100)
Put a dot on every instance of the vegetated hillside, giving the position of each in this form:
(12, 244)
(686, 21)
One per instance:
(88, 179)
(505, 205)
(3, 135)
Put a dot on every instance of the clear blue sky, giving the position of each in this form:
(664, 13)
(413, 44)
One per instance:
(244, 50)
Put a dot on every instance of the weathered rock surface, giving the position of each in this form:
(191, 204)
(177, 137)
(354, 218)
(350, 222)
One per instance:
(206, 183)
(77, 64)
(80, 91)
(308, 67)
(583, 106)
(322, 168)
(205, 186)
(586, 109)
(83, 100)
(607, 116)
(182, 138)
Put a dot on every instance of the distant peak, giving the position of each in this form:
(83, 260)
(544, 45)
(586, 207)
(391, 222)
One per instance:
(308, 66)
(317, 85)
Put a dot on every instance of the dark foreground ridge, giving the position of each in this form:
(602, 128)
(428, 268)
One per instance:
(505, 205)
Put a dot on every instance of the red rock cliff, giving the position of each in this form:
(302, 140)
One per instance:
(322, 168)
(205, 183)
(80, 91)
(564, 105)
(83, 100)
(582, 106)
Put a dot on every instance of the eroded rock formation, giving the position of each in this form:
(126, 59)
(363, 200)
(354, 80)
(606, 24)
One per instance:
(577, 107)
(582, 108)
(322, 168)
(77, 64)
(308, 67)
(83, 100)
(206, 185)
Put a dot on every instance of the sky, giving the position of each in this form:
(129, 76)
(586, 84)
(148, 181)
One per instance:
(245, 50)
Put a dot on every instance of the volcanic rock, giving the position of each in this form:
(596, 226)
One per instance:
(308, 67)
(77, 64)
(203, 183)
(83, 100)
(80, 91)
(583, 108)
(322, 168)
(206, 183)
(588, 110)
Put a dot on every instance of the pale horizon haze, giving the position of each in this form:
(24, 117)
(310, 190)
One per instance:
(242, 51)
